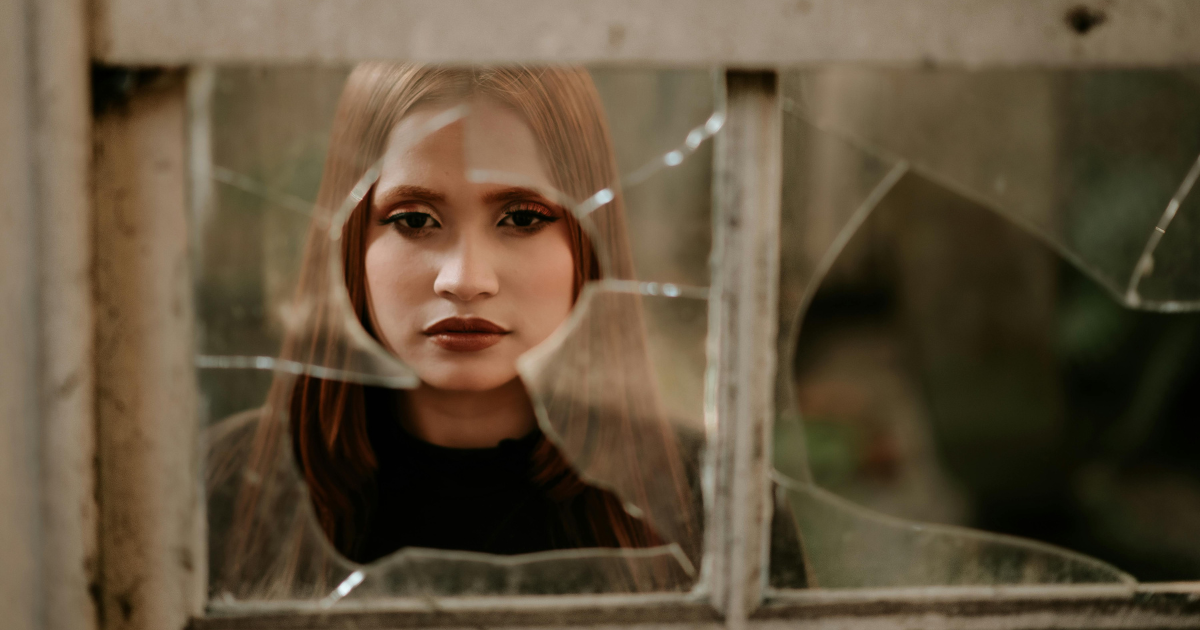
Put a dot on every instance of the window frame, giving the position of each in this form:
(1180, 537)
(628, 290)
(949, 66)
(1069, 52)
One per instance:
(123, 539)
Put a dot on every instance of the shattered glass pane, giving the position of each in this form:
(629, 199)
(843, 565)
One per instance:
(580, 382)
(848, 546)
(962, 251)
(1167, 267)
(1092, 161)
(666, 166)
(266, 217)
(482, 323)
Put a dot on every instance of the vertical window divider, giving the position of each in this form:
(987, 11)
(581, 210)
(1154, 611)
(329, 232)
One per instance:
(151, 531)
(742, 331)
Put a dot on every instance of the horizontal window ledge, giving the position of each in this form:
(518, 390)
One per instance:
(1144, 606)
(754, 33)
(463, 612)
(1168, 605)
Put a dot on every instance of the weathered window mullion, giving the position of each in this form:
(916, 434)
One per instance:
(742, 328)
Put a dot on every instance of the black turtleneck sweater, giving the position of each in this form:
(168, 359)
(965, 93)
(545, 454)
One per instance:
(467, 499)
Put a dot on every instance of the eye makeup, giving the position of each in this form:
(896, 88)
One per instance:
(410, 211)
(411, 220)
(527, 216)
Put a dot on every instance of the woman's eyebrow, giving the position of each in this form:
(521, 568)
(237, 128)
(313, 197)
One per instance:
(509, 194)
(401, 193)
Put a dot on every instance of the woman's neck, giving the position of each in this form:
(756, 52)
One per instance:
(459, 419)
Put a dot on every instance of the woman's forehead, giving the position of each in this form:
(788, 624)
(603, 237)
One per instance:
(478, 141)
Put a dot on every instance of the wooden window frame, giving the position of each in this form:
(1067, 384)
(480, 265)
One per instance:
(101, 363)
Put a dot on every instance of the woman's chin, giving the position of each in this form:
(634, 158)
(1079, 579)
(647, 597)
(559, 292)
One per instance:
(476, 379)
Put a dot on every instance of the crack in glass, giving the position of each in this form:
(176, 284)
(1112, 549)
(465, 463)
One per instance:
(252, 186)
(1125, 116)
(851, 135)
(1145, 264)
(576, 378)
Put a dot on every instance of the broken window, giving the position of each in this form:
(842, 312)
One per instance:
(381, 238)
(974, 270)
(985, 330)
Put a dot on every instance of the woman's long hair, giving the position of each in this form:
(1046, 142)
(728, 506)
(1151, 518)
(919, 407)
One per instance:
(326, 420)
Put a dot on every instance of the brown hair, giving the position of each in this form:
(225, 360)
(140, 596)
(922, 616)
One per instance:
(327, 419)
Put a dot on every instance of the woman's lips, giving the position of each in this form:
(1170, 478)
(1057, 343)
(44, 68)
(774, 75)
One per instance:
(465, 334)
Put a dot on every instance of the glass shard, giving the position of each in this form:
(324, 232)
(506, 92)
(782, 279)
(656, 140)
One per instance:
(847, 546)
(593, 401)
(830, 189)
(1166, 268)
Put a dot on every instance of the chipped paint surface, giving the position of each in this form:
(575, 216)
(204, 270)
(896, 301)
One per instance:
(146, 400)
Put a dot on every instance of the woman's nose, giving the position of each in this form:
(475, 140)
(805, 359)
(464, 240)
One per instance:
(467, 273)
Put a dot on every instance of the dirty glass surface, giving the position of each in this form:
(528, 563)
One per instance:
(305, 257)
(986, 355)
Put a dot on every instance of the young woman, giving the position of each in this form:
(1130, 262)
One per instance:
(456, 275)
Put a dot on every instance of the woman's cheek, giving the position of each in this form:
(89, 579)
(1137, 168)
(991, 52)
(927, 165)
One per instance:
(390, 291)
(552, 287)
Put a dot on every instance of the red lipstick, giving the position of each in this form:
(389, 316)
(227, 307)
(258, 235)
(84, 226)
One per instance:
(465, 334)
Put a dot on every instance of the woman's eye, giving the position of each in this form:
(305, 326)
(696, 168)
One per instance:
(524, 219)
(411, 220)
(527, 218)
(414, 220)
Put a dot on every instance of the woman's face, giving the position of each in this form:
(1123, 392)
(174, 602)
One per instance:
(463, 277)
